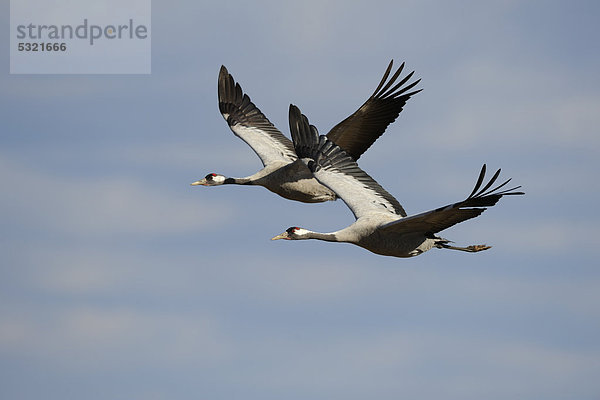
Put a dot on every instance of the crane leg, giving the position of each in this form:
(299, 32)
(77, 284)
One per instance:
(471, 249)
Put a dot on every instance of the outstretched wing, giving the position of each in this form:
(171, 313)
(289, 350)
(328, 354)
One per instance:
(338, 171)
(249, 124)
(445, 217)
(360, 130)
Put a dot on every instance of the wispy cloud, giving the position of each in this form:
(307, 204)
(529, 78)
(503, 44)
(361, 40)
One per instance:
(101, 338)
(101, 205)
(120, 280)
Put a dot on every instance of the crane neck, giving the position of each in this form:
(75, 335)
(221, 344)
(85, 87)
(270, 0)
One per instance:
(237, 181)
(328, 237)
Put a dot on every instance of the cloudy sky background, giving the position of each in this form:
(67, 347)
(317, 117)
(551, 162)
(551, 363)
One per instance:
(120, 281)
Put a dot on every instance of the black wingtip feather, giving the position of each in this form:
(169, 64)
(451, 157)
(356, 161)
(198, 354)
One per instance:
(386, 93)
(385, 76)
(304, 135)
(479, 181)
(486, 197)
(490, 183)
(391, 82)
(402, 93)
(360, 130)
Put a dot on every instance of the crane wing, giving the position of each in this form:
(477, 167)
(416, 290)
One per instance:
(360, 130)
(249, 124)
(444, 217)
(333, 168)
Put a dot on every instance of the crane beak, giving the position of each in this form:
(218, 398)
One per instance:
(283, 235)
(200, 182)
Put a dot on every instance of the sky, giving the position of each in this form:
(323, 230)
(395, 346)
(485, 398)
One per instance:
(119, 280)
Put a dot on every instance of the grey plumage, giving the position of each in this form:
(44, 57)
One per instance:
(381, 224)
(283, 173)
(321, 152)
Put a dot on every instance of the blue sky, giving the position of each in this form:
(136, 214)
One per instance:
(120, 281)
